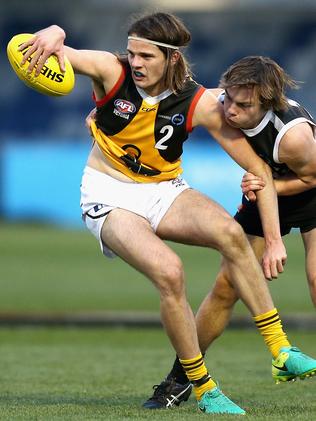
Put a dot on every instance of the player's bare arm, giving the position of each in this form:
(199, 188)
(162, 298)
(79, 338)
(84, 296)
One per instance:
(216, 91)
(209, 114)
(298, 151)
(101, 66)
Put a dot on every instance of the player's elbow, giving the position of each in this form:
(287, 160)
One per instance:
(262, 170)
(309, 180)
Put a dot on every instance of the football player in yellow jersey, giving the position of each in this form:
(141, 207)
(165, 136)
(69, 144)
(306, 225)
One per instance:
(133, 197)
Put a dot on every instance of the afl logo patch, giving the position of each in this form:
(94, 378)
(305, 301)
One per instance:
(177, 119)
(124, 106)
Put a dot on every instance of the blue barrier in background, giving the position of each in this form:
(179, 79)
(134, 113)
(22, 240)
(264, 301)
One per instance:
(41, 182)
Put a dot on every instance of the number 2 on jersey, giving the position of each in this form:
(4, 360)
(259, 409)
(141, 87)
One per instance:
(160, 144)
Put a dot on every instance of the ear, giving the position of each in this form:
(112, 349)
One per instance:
(175, 57)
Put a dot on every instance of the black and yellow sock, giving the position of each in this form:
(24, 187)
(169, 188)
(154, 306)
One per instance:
(270, 327)
(196, 372)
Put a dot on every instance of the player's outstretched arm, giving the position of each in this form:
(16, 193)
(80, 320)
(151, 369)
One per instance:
(101, 66)
(209, 114)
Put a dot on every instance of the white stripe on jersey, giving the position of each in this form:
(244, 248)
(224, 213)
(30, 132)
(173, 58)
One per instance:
(282, 132)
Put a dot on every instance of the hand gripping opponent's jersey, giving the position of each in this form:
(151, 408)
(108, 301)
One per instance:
(143, 136)
(266, 137)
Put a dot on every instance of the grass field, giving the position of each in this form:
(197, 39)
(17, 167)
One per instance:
(52, 270)
(106, 374)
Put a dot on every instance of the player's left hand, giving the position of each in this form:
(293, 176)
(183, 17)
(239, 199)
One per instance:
(274, 259)
(250, 183)
(89, 118)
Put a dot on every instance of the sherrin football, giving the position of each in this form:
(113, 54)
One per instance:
(51, 81)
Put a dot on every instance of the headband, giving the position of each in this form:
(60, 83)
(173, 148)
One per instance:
(150, 41)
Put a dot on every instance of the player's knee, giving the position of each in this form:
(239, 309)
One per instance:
(233, 235)
(312, 286)
(171, 278)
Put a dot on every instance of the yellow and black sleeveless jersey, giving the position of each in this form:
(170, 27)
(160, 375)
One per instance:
(142, 139)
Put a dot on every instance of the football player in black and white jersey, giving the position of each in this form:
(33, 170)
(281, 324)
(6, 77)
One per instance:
(133, 199)
(282, 132)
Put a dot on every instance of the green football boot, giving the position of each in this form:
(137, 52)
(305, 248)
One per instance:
(215, 402)
(291, 364)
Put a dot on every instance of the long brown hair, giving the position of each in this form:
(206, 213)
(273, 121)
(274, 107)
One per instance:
(169, 29)
(268, 78)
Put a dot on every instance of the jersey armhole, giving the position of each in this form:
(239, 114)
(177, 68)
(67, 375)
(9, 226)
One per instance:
(282, 132)
(113, 91)
(193, 104)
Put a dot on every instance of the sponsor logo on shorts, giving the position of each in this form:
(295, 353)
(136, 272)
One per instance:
(178, 182)
(98, 211)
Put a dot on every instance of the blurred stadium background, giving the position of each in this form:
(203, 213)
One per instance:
(57, 267)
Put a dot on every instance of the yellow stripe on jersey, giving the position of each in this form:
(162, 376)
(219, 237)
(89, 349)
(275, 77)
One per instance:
(138, 141)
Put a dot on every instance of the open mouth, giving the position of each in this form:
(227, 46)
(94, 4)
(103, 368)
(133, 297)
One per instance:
(138, 75)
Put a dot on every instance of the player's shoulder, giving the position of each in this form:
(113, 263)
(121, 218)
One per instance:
(293, 111)
(109, 68)
(210, 98)
(208, 109)
(217, 92)
(298, 131)
(107, 60)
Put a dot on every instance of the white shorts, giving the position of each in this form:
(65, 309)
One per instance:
(101, 193)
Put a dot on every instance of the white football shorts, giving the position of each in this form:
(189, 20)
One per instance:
(101, 193)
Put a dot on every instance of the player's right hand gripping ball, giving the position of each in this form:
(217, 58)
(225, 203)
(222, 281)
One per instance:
(51, 81)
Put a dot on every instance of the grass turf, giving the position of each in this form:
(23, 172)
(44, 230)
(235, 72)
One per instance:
(52, 270)
(73, 374)
(106, 374)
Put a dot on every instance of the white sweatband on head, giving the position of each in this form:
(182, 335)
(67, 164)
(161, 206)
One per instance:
(150, 41)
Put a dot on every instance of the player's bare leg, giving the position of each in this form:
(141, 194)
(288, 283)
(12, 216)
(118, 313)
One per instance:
(195, 219)
(131, 237)
(215, 310)
(309, 239)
